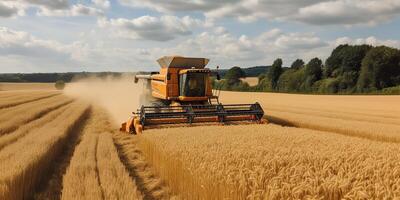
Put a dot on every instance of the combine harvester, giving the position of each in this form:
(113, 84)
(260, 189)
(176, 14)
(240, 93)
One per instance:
(181, 93)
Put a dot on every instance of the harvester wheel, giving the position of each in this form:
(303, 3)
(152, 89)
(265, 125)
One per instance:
(138, 129)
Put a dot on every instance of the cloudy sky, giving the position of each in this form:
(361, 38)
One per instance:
(129, 35)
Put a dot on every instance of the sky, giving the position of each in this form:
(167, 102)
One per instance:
(130, 35)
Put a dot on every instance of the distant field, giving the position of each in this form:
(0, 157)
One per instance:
(26, 86)
(374, 117)
(252, 81)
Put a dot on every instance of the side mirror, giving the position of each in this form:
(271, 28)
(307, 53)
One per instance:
(136, 79)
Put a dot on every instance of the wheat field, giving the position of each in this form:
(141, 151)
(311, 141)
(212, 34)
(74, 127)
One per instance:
(56, 146)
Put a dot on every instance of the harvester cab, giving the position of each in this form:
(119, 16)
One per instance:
(182, 93)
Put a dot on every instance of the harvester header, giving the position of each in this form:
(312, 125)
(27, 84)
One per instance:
(182, 93)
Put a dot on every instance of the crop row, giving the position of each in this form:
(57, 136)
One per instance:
(12, 118)
(25, 163)
(95, 171)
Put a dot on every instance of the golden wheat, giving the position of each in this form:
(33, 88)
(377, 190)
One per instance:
(96, 171)
(369, 130)
(337, 115)
(11, 119)
(252, 81)
(136, 163)
(4, 95)
(272, 162)
(26, 128)
(26, 87)
(361, 104)
(81, 180)
(372, 117)
(24, 98)
(24, 164)
(115, 180)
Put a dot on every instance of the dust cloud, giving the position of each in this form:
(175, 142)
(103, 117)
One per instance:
(119, 96)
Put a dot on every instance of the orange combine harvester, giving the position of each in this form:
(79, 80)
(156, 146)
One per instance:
(181, 93)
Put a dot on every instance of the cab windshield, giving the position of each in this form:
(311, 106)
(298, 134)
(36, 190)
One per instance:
(192, 84)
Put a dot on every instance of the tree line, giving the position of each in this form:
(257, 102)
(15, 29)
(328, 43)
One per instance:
(349, 69)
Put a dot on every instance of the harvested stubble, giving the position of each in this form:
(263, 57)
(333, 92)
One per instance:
(272, 162)
(6, 102)
(95, 171)
(12, 118)
(24, 164)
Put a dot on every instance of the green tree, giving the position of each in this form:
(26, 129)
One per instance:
(291, 80)
(261, 77)
(274, 72)
(312, 73)
(345, 58)
(334, 61)
(380, 69)
(233, 75)
(344, 64)
(59, 85)
(297, 64)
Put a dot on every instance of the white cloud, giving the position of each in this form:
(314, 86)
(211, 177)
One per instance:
(26, 52)
(317, 12)
(105, 4)
(299, 41)
(350, 12)
(52, 8)
(152, 28)
(227, 50)
(75, 10)
(6, 11)
(50, 4)
(21, 43)
(179, 5)
(371, 40)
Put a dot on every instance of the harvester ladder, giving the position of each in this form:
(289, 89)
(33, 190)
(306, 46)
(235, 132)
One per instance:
(214, 100)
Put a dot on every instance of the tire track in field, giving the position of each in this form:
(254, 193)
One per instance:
(6, 129)
(150, 185)
(23, 130)
(97, 168)
(51, 186)
(13, 104)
